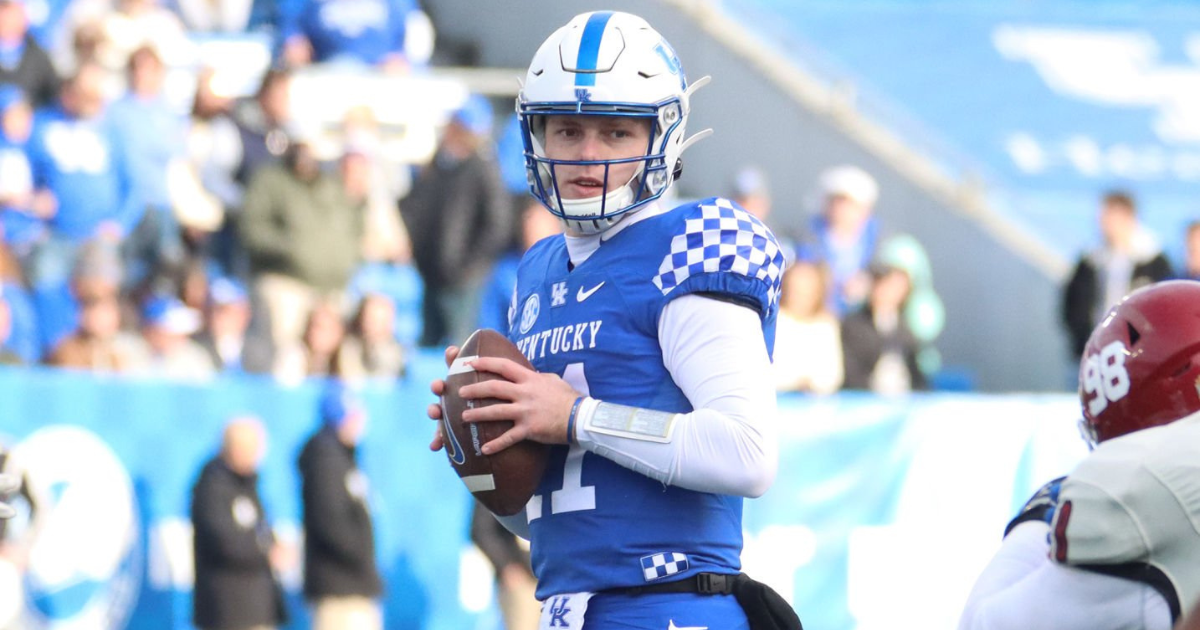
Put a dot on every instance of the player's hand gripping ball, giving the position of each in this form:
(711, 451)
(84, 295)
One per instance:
(504, 481)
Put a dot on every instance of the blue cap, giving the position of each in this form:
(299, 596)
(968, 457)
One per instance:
(224, 291)
(750, 181)
(168, 312)
(11, 95)
(338, 402)
(475, 115)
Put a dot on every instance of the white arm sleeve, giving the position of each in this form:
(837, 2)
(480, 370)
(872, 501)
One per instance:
(1023, 589)
(716, 354)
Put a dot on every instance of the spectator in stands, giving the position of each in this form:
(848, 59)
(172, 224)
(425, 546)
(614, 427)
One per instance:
(1128, 258)
(224, 335)
(808, 343)
(81, 44)
(510, 560)
(510, 151)
(263, 123)
(23, 61)
(214, 149)
(369, 32)
(152, 135)
(97, 271)
(458, 215)
(316, 356)
(365, 175)
(44, 21)
(751, 191)
(535, 224)
(166, 350)
(7, 355)
(193, 285)
(214, 141)
(22, 338)
(370, 349)
(341, 580)
(844, 234)
(23, 209)
(303, 236)
(214, 16)
(97, 344)
(879, 351)
(387, 269)
(127, 25)
(235, 551)
(923, 310)
(1191, 265)
(401, 283)
(76, 158)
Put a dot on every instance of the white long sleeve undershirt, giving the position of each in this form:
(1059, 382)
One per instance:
(715, 353)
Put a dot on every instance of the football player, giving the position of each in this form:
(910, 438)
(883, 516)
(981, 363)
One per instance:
(1115, 544)
(651, 330)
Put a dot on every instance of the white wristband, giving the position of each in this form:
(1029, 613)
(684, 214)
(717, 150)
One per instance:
(633, 423)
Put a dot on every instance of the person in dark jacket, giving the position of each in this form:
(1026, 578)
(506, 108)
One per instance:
(236, 554)
(341, 580)
(1129, 258)
(23, 61)
(459, 217)
(879, 351)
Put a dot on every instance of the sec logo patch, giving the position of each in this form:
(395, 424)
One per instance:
(529, 313)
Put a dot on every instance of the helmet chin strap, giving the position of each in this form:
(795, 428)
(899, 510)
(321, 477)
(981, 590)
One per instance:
(576, 211)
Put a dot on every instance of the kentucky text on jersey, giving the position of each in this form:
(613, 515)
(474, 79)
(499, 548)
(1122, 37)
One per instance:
(560, 339)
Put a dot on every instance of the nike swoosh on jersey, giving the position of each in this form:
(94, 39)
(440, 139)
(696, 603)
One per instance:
(583, 295)
(671, 626)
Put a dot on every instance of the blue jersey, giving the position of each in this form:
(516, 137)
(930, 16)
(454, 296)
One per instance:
(83, 164)
(364, 30)
(595, 525)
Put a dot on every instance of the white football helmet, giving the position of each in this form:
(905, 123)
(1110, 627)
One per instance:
(607, 63)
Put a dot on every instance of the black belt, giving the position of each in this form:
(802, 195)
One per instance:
(702, 583)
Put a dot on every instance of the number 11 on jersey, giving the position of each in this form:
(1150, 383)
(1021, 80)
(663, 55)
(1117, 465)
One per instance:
(573, 496)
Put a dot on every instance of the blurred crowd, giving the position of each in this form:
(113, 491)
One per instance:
(149, 234)
(858, 311)
(144, 236)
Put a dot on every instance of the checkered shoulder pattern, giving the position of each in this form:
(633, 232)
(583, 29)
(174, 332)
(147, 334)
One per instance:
(723, 238)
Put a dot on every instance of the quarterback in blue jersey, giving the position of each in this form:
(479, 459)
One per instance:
(651, 330)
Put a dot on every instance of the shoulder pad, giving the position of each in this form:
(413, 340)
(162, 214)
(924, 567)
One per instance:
(1136, 500)
(718, 236)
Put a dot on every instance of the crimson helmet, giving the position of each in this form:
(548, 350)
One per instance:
(1141, 366)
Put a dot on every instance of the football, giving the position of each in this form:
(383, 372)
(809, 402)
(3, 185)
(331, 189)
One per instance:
(504, 481)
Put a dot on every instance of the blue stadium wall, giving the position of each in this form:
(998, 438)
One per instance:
(882, 514)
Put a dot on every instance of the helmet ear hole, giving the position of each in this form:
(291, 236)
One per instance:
(677, 172)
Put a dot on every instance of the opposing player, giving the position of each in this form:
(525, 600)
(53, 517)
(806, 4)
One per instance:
(651, 330)
(1115, 544)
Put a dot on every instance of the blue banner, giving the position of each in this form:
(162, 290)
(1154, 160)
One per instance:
(882, 514)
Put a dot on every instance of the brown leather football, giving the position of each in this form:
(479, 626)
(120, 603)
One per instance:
(504, 481)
